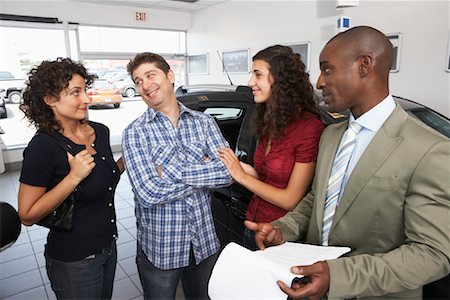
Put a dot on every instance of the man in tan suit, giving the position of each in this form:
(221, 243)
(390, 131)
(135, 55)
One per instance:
(393, 207)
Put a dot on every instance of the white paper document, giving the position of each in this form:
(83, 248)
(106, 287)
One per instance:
(243, 274)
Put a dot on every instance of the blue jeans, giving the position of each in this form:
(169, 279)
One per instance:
(162, 284)
(89, 278)
(248, 241)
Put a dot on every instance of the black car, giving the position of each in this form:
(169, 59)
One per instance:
(232, 107)
(3, 113)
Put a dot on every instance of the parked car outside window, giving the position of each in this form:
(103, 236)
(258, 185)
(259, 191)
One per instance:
(127, 87)
(103, 93)
(3, 113)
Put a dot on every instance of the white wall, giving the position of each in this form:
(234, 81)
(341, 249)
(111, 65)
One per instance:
(96, 14)
(424, 26)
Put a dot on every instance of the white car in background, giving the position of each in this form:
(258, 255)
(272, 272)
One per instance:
(127, 87)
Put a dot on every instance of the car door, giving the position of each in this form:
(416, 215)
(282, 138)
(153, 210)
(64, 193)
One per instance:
(229, 204)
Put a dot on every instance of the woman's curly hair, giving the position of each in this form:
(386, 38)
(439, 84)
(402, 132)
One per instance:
(292, 92)
(49, 79)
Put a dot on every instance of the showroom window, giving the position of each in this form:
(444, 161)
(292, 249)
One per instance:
(105, 51)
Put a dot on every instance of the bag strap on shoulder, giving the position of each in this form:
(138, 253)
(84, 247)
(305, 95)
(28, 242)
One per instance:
(58, 142)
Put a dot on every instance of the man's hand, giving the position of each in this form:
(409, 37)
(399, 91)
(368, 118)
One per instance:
(159, 170)
(318, 287)
(265, 234)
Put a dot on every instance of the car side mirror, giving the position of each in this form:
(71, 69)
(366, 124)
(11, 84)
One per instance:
(10, 225)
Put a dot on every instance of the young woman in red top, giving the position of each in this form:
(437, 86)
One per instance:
(288, 126)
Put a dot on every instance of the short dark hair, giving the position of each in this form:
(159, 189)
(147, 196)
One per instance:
(49, 79)
(147, 57)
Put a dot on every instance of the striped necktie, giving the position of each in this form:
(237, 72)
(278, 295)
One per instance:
(338, 170)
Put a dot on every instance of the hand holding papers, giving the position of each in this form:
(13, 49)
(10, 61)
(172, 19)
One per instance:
(242, 274)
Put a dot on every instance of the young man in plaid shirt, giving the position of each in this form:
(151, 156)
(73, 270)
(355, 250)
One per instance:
(171, 157)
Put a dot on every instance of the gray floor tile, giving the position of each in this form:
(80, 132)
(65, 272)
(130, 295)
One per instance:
(39, 246)
(121, 204)
(44, 275)
(18, 266)
(124, 237)
(120, 273)
(35, 294)
(132, 231)
(38, 234)
(129, 266)
(125, 289)
(22, 239)
(50, 294)
(20, 283)
(125, 213)
(128, 222)
(137, 282)
(15, 252)
(40, 259)
(126, 250)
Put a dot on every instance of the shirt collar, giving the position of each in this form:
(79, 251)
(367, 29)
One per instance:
(374, 118)
(150, 113)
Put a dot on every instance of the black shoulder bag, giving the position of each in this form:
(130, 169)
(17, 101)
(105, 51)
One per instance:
(61, 219)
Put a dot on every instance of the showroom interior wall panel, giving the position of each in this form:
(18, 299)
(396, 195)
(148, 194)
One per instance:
(424, 26)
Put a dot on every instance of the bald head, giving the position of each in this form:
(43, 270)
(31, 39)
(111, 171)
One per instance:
(365, 40)
(354, 70)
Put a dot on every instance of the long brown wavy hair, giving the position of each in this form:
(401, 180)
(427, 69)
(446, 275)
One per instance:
(49, 79)
(292, 92)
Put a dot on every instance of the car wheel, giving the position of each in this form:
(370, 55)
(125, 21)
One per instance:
(130, 93)
(15, 97)
(116, 105)
(3, 113)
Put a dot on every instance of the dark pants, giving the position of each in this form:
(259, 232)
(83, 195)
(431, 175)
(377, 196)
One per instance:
(162, 284)
(248, 241)
(89, 278)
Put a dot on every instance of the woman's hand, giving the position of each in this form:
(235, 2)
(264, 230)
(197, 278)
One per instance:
(249, 170)
(81, 165)
(232, 163)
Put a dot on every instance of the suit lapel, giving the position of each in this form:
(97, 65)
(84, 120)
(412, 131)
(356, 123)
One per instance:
(325, 159)
(380, 148)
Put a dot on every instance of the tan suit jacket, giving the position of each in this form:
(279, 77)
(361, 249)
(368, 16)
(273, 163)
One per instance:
(394, 213)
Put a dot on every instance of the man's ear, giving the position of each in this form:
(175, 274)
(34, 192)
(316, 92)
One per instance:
(49, 100)
(365, 65)
(171, 76)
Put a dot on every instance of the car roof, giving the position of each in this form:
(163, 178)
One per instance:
(192, 95)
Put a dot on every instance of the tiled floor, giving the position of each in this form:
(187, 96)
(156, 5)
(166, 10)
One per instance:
(22, 266)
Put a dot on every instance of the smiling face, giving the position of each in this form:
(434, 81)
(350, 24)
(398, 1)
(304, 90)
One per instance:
(339, 77)
(155, 86)
(73, 101)
(261, 81)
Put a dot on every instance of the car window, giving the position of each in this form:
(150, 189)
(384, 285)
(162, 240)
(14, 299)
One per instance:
(224, 113)
(4, 75)
(229, 120)
(433, 120)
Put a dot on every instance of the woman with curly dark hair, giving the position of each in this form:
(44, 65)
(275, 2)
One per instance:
(288, 126)
(80, 262)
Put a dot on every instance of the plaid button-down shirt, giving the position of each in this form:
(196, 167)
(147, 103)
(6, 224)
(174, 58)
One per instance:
(174, 212)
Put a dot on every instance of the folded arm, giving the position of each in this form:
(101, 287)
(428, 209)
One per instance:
(148, 186)
(207, 173)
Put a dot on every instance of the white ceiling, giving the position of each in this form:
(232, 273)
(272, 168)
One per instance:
(160, 4)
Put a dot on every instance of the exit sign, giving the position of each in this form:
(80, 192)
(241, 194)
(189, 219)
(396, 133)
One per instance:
(140, 16)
